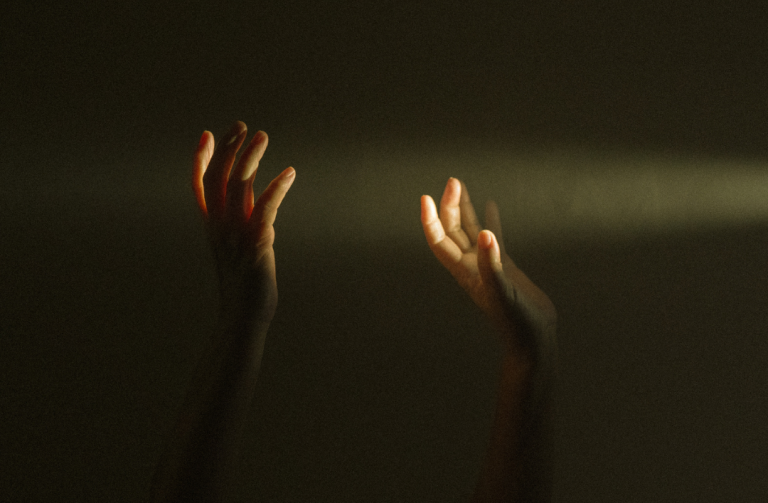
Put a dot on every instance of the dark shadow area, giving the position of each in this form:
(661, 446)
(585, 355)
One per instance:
(379, 375)
(85, 81)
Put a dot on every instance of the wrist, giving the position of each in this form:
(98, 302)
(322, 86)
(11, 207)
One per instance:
(256, 305)
(243, 319)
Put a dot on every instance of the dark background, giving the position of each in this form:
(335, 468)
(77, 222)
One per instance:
(379, 376)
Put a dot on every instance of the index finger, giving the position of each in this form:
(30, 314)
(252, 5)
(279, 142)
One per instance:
(265, 209)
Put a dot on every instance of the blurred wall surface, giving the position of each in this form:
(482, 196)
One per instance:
(625, 143)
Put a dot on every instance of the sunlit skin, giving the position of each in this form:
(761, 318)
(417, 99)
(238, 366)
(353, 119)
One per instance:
(201, 455)
(240, 230)
(518, 462)
(479, 262)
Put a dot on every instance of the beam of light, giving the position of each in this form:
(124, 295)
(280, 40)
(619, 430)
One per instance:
(546, 197)
(370, 194)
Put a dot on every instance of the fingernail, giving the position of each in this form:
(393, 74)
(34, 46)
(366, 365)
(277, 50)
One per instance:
(485, 239)
(290, 173)
(202, 139)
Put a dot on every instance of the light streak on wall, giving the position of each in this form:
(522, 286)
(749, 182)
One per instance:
(370, 194)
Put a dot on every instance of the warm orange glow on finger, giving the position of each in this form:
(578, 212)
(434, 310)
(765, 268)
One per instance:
(202, 158)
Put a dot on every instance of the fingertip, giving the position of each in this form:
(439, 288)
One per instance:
(237, 132)
(428, 208)
(260, 137)
(205, 138)
(489, 258)
(288, 176)
(485, 239)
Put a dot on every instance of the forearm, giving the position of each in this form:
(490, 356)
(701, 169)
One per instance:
(518, 464)
(203, 450)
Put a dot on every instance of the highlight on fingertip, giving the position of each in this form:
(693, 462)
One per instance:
(485, 239)
(427, 207)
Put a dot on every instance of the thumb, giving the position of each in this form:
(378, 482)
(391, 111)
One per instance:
(489, 262)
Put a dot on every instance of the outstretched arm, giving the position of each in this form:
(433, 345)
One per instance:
(202, 452)
(518, 462)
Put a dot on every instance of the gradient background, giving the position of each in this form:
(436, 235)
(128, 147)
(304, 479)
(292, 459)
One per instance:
(624, 142)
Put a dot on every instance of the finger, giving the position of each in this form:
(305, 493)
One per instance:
(239, 196)
(215, 177)
(489, 262)
(446, 251)
(450, 214)
(200, 164)
(265, 209)
(493, 222)
(468, 217)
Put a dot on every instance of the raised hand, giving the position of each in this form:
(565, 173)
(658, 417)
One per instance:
(518, 462)
(201, 454)
(522, 313)
(240, 230)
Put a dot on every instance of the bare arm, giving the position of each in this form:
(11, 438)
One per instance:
(202, 452)
(518, 462)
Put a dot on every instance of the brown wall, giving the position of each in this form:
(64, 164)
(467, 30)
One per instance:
(379, 375)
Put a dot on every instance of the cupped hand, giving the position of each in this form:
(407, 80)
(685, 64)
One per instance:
(240, 230)
(521, 312)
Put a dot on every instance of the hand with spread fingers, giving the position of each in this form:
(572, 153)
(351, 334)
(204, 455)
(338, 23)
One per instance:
(518, 463)
(522, 313)
(201, 455)
(240, 229)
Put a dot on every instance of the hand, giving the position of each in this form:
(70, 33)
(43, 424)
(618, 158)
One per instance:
(240, 230)
(522, 313)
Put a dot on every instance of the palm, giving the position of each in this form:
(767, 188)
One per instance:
(467, 274)
(502, 291)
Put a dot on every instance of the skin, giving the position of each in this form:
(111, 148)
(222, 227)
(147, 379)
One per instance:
(518, 461)
(202, 452)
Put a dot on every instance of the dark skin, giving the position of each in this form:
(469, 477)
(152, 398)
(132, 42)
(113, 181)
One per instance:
(202, 452)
